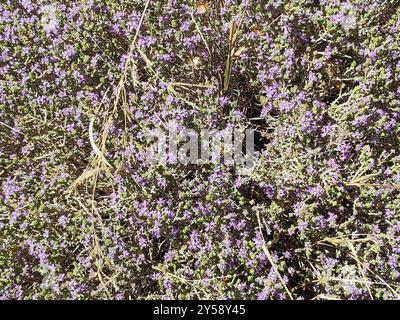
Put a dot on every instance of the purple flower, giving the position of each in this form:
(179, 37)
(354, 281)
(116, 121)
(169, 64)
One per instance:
(10, 188)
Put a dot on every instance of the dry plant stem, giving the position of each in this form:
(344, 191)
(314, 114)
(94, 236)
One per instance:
(183, 280)
(228, 64)
(100, 153)
(360, 268)
(396, 294)
(201, 33)
(184, 84)
(97, 251)
(94, 146)
(325, 297)
(120, 90)
(121, 84)
(338, 244)
(271, 261)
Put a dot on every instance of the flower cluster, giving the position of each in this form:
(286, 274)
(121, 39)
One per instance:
(83, 215)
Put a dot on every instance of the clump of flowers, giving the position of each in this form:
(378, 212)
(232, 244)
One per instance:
(83, 215)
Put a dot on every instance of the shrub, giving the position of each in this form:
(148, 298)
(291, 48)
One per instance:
(84, 215)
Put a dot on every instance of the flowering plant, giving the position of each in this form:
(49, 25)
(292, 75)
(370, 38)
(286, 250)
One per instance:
(83, 215)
